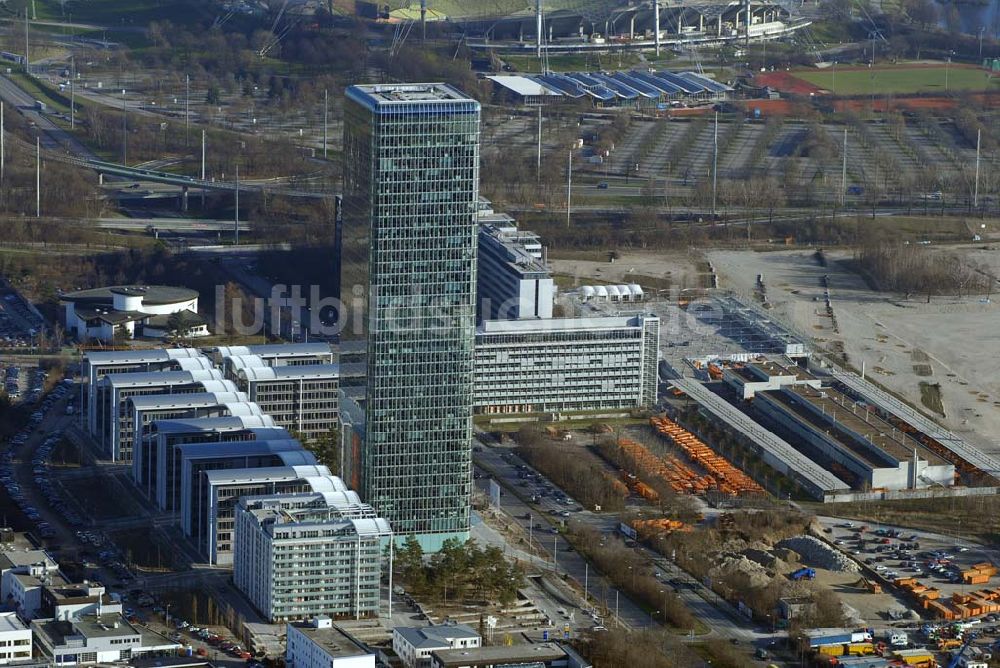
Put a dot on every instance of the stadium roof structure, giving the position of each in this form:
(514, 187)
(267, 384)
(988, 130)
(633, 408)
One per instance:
(610, 86)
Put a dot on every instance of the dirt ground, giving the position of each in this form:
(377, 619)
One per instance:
(653, 270)
(950, 342)
(872, 608)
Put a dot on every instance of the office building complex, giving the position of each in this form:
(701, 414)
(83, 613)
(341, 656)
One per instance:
(513, 282)
(211, 522)
(147, 410)
(114, 422)
(571, 364)
(317, 643)
(275, 354)
(302, 398)
(409, 236)
(303, 555)
(160, 444)
(97, 364)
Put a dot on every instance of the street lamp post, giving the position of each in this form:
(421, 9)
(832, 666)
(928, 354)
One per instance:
(124, 131)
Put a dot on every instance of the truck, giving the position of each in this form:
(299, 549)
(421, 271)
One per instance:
(898, 639)
(804, 573)
(834, 636)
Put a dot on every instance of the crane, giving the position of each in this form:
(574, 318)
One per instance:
(955, 660)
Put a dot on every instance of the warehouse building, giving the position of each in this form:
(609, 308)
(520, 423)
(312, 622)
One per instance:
(302, 397)
(133, 310)
(842, 434)
(147, 410)
(302, 555)
(223, 490)
(513, 282)
(164, 436)
(114, 421)
(97, 364)
(571, 364)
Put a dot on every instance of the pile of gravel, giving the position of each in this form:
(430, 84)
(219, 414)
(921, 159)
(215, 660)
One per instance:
(817, 553)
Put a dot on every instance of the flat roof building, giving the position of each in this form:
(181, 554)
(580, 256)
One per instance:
(302, 555)
(318, 643)
(513, 283)
(91, 639)
(538, 655)
(302, 398)
(408, 240)
(15, 639)
(566, 364)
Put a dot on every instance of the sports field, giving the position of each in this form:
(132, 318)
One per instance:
(899, 79)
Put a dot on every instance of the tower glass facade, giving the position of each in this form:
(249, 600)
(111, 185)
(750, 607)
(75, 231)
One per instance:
(409, 236)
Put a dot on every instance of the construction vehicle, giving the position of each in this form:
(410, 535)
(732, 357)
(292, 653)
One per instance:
(804, 573)
(957, 658)
(947, 644)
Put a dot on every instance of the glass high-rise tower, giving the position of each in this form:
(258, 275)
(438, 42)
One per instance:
(407, 248)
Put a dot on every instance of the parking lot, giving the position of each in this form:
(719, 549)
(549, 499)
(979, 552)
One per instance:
(887, 553)
(20, 324)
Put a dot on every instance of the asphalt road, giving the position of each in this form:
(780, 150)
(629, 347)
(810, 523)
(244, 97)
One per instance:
(52, 136)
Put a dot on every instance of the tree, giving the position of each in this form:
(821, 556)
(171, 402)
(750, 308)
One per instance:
(409, 562)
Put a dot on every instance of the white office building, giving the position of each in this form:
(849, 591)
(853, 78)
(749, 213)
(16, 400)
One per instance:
(513, 282)
(318, 643)
(224, 489)
(15, 639)
(301, 398)
(414, 644)
(132, 310)
(566, 364)
(303, 555)
(100, 363)
(161, 441)
(93, 639)
(276, 354)
(147, 410)
(114, 422)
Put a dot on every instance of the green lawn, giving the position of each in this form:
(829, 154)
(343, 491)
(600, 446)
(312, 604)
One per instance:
(899, 80)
